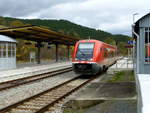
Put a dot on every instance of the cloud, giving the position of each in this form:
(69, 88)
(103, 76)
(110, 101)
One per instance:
(114, 16)
(22, 8)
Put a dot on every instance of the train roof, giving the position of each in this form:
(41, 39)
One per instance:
(92, 40)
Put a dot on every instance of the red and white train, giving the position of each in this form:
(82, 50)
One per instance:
(92, 56)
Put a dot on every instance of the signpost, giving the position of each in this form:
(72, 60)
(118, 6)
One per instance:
(129, 46)
(130, 42)
(32, 56)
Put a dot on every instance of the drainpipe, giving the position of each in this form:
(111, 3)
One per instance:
(138, 88)
(135, 33)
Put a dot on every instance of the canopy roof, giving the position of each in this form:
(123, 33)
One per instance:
(6, 39)
(38, 34)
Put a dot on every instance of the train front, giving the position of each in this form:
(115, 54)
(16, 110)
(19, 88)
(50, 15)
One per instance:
(83, 58)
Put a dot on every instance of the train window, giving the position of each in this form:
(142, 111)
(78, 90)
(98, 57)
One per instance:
(99, 49)
(86, 46)
(105, 53)
(85, 51)
(112, 54)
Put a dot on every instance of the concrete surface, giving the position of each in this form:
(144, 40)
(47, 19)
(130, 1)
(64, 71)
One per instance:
(32, 70)
(101, 96)
(144, 85)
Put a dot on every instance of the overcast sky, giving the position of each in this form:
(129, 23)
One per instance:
(114, 16)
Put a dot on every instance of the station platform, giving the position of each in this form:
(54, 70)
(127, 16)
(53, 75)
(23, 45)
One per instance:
(122, 64)
(105, 96)
(143, 85)
(12, 74)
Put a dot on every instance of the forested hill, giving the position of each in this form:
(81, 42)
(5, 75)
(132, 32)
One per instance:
(65, 27)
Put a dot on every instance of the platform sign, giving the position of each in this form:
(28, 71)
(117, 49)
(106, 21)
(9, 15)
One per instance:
(128, 46)
(32, 56)
(130, 42)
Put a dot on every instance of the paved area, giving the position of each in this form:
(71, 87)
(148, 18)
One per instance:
(106, 100)
(109, 106)
(102, 96)
(32, 70)
(125, 63)
(108, 91)
(144, 92)
(115, 106)
(43, 62)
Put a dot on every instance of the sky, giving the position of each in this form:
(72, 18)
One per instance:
(114, 16)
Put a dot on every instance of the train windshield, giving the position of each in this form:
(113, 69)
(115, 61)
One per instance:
(85, 51)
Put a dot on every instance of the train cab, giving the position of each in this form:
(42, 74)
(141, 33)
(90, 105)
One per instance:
(89, 57)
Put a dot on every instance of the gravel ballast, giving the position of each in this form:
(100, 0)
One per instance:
(14, 95)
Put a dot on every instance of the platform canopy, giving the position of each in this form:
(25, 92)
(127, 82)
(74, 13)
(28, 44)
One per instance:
(38, 34)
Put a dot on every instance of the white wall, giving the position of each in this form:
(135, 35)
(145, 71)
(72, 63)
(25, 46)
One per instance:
(7, 63)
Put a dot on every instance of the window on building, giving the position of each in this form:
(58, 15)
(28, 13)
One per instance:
(13, 49)
(9, 49)
(1, 55)
(147, 44)
(4, 50)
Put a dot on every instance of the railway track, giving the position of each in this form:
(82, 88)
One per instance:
(25, 80)
(44, 102)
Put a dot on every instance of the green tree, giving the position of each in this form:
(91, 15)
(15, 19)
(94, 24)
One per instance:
(16, 23)
(61, 31)
(110, 41)
(121, 48)
(23, 49)
(3, 22)
(73, 33)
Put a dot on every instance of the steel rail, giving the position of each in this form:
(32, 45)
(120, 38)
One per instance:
(29, 79)
(54, 94)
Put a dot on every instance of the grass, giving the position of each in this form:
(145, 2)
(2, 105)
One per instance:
(123, 76)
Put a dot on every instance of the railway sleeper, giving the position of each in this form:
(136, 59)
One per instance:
(40, 101)
(22, 110)
(28, 107)
(34, 104)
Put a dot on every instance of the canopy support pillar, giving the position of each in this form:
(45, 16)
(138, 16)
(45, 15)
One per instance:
(56, 52)
(39, 52)
(68, 53)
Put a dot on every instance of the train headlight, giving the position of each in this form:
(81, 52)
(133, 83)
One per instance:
(91, 59)
(76, 59)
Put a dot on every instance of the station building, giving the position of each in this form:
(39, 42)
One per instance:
(141, 31)
(141, 34)
(7, 52)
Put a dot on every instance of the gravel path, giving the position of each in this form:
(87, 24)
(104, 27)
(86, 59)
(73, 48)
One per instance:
(13, 95)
